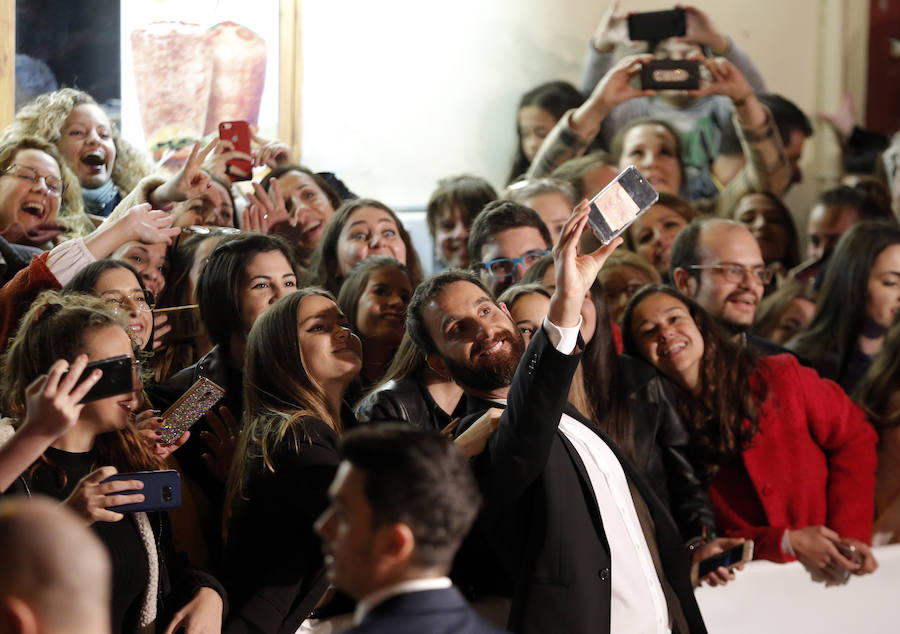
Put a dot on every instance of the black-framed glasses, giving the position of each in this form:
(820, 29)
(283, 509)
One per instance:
(54, 185)
(735, 273)
(504, 267)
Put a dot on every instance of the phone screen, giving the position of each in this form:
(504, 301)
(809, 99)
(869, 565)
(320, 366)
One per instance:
(617, 206)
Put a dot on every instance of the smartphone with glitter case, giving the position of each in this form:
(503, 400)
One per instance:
(188, 409)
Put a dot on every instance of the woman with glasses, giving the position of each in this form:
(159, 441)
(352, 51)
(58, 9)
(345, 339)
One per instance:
(152, 589)
(789, 459)
(358, 229)
(120, 286)
(33, 189)
(859, 300)
(105, 166)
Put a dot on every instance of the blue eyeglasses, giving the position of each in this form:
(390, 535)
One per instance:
(504, 267)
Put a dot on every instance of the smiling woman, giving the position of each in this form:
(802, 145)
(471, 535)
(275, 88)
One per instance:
(106, 166)
(301, 355)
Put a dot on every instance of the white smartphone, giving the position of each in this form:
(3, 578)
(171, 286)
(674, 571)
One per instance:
(620, 203)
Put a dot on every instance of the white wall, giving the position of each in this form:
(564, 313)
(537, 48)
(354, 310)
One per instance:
(399, 93)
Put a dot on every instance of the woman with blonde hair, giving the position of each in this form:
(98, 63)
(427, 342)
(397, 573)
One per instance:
(107, 166)
(301, 355)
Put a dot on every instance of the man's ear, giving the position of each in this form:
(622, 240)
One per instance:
(684, 281)
(436, 363)
(505, 309)
(395, 545)
(17, 616)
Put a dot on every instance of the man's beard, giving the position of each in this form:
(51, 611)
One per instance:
(494, 372)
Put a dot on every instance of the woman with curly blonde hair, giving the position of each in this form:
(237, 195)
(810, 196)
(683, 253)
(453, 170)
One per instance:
(107, 166)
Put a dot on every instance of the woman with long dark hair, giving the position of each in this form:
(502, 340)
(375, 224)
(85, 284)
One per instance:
(789, 459)
(859, 300)
(301, 356)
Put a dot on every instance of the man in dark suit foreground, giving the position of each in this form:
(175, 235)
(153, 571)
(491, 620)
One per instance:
(401, 503)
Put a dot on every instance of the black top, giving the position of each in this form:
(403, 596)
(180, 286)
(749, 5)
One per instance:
(123, 543)
(406, 400)
(274, 569)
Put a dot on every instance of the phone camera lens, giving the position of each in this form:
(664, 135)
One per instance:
(167, 494)
(234, 138)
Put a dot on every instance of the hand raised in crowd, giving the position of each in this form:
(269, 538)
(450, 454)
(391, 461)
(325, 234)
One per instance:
(575, 272)
(150, 226)
(52, 400)
(221, 441)
(270, 153)
(721, 575)
(614, 88)
(843, 119)
(150, 425)
(216, 163)
(189, 182)
(37, 236)
(725, 79)
(472, 441)
(816, 548)
(201, 615)
(161, 327)
(612, 30)
(700, 30)
(264, 210)
(91, 498)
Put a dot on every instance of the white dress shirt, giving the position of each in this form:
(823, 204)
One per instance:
(638, 603)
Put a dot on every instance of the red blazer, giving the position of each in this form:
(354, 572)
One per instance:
(18, 293)
(812, 463)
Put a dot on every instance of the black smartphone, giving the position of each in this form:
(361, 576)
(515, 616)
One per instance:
(118, 377)
(162, 491)
(740, 554)
(657, 25)
(620, 203)
(670, 74)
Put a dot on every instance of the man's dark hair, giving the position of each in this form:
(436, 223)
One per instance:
(467, 193)
(424, 294)
(418, 478)
(684, 253)
(867, 208)
(218, 286)
(499, 216)
(787, 116)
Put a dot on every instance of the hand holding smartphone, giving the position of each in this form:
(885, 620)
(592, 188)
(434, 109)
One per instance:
(118, 377)
(188, 409)
(728, 559)
(238, 134)
(162, 491)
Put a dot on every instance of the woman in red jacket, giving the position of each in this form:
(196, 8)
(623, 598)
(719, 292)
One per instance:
(789, 458)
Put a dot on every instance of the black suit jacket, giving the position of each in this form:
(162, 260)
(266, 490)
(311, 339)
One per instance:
(540, 515)
(431, 611)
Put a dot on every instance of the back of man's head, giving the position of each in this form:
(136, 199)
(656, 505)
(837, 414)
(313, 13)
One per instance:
(55, 572)
(787, 116)
(420, 479)
(499, 216)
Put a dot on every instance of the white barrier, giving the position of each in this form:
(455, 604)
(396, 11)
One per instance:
(773, 598)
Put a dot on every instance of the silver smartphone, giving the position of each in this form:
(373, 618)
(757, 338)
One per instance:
(620, 203)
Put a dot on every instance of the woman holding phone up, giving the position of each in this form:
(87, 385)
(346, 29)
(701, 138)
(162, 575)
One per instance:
(151, 588)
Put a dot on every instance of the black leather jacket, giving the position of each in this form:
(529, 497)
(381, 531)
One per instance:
(406, 400)
(662, 448)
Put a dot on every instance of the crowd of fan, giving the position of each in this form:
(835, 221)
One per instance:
(649, 405)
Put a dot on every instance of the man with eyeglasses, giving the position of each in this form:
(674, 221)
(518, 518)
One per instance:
(506, 238)
(719, 263)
